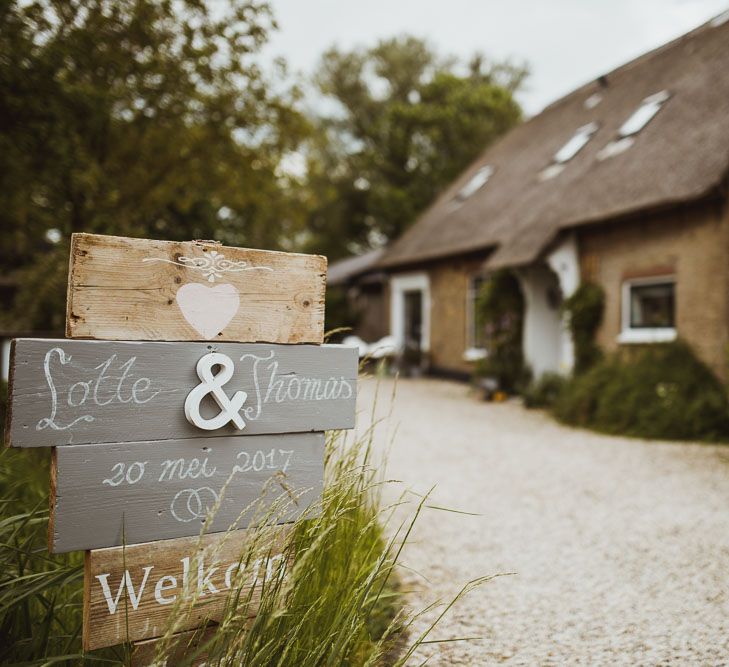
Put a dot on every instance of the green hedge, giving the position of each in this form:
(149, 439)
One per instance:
(660, 391)
(544, 392)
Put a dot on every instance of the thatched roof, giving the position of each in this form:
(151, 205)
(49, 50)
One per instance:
(681, 155)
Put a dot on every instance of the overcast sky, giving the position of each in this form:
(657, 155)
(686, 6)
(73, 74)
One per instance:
(565, 42)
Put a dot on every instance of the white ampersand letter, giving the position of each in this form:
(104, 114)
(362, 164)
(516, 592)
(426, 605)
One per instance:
(212, 384)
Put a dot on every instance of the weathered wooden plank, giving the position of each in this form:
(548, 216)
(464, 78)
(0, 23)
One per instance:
(74, 392)
(130, 592)
(108, 495)
(122, 288)
(181, 647)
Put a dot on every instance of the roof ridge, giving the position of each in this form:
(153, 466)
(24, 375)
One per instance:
(680, 156)
(637, 60)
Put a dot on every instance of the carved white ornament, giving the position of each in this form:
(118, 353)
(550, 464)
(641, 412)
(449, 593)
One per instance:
(212, 265)
(213, 385)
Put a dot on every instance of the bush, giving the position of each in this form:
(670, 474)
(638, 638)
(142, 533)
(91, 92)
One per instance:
(585, 309)
(662, 391)
(544, 392)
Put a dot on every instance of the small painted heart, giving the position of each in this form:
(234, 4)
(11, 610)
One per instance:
(208, 309)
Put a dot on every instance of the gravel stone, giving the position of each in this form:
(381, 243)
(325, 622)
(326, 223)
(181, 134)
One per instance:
(619, 548)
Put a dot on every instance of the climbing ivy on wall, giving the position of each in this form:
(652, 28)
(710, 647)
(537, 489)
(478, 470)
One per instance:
(500, 314)
(585, 311)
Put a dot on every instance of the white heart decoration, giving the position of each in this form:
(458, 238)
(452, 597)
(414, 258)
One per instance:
(208, 309)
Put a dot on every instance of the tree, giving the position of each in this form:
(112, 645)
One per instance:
(135, 117)
(406, 124)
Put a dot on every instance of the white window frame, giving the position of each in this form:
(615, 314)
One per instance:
(629, 335)
(575, 143)
(644, 114)
(398, 286)
(472, 353)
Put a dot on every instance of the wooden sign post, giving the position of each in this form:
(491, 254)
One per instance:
(192, 385)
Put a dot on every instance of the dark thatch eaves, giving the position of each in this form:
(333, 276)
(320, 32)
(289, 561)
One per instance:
(680, 156)
(345, 270)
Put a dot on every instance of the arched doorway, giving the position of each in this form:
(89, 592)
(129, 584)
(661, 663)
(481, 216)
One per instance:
(546, 341)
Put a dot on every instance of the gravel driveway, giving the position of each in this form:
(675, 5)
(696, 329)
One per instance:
(620, 547)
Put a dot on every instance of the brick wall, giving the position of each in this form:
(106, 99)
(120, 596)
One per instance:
(693, 244)
(449, 281)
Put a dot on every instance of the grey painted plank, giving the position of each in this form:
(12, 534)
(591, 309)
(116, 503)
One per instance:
(114, 494)
(66, 392)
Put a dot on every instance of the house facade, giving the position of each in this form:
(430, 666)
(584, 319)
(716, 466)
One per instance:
(623, 183)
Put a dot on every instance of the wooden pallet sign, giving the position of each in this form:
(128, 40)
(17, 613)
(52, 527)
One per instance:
(131, 592)
(184, 646)
(80, 392)
(181, 482)
(190, 398)
(137, 289)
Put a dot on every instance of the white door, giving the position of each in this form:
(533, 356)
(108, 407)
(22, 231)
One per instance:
(410, 311)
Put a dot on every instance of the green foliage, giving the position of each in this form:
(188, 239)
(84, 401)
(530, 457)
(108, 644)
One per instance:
(661, 391)
(139, 118)
(544, 392)
(585, 310)
(40, 595)
(340, 315)
(152, 119)
(406, 124)
(500, 312)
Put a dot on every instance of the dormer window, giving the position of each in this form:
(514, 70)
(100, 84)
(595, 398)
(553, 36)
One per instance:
(573, 146)
(592, 101)
(650, 106)
(476, 182)
(643, 115)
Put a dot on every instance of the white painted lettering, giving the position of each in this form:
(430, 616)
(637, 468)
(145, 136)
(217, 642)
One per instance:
(348, 387)
(134, 596)
(72, 388)
(87, 392)
(185, 572)
(203, 579)
(229, 573)
(102, 368)
(290, 393)
(139, 387)
(162, 586)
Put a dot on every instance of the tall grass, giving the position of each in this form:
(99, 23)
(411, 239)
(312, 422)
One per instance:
(336, 602)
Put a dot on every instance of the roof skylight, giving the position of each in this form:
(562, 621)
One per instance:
(650, 106)
(592, 101)
(477, 181)
(575, 144)
(642, 116)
